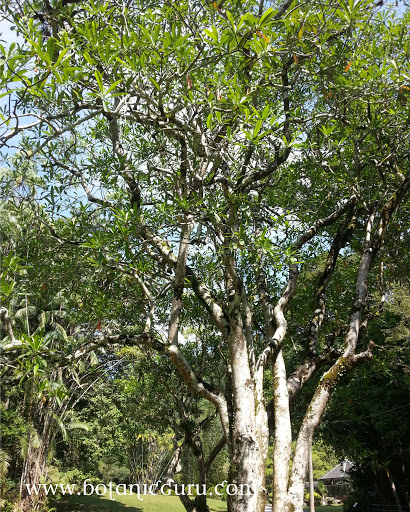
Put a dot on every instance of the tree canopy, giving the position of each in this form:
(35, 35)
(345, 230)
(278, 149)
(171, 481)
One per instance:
(230, 173)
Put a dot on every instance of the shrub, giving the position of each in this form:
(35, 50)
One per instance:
(113, 473)
(322, 489)
(73, 476)
(317, 498)
(223, 494)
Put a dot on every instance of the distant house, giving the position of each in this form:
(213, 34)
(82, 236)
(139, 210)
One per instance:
(337, 480)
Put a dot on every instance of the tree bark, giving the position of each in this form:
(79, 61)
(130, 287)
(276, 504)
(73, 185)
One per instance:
(394, 491)
(248, 455)
(311, 486)
(282, 436)
(262, 436)
(34, 468)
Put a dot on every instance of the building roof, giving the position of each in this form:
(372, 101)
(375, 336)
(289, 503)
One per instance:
(338, 471)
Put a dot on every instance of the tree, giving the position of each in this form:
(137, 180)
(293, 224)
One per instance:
(45, 364)
(42, 354)
(207, 151)
(197, 438)
(368, 418)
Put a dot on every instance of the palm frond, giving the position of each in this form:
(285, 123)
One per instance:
(4, 464)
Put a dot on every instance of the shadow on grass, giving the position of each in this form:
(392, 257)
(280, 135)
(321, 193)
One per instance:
(91, 504)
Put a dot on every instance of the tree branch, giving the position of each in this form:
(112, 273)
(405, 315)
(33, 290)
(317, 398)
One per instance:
(179, 281)
(214, 453)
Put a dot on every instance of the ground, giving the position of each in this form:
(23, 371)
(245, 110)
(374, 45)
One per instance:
(148, 504)
(128, 504)
(329, 508)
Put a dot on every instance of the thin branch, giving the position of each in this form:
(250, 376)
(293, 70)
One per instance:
(199, 287)
(277, 318)
(214, 453)
(9, 327)
(343, 234)
(179, 281)
(68, 128)
(151, 302)
(78, 174)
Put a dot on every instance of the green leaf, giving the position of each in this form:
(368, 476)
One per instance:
(99, 80)
(113, 86)
(249, 19)
(7, 288)
(51, 45)
(88, 58)
(209, 121)
(213, 33)
(60, 57)
(266, 111)
(231, 21)
(266, 16)
(257, 128)
(153, 81)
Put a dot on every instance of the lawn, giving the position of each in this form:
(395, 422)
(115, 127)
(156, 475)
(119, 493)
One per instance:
(148, 504)
(328, 508)
(128, 504)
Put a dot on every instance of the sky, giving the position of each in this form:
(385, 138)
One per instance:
(7, 36)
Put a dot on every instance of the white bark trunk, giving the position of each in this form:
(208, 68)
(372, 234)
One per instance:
(262, 436)
(245, 446)
(249, 431)
(394, 491)
(304, 441)
(311, 486)
(283, 435)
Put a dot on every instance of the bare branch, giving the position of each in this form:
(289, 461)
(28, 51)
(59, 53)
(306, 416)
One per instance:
(65, 129)
(199, 386)
(199, 287)
(320, 223)
(179, 281)
(275, 337)
(214, 453)
(343, 234)
(151, 302)
(78, 174)
(9, 328)
(282, 9)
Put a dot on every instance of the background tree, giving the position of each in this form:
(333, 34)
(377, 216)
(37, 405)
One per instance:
(368, 418)
(45, 367)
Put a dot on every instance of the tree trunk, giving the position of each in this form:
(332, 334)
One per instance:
(194, 505)
(174, 467)
(262, 436)
(394, 491)
(311, 487)
(246, 491)
(283, 435)
(34, 468)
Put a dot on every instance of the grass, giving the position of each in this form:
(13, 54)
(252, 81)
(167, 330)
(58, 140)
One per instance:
(128, 504)
(327, 508)
(157, 503)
